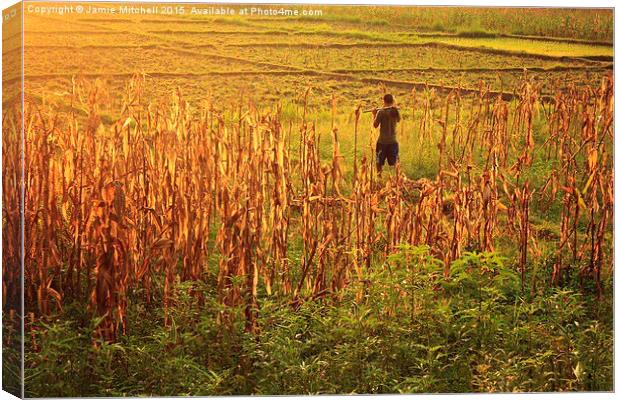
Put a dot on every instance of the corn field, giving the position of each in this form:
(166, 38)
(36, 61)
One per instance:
(175, 192)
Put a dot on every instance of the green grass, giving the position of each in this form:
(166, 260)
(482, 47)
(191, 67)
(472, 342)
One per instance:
(529, 46)
(594, 24)
(475, 32)
(476, 332)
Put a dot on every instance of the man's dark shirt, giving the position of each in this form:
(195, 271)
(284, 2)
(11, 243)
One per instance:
(387, 118)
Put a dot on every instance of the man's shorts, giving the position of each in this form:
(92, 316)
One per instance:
(387, 152)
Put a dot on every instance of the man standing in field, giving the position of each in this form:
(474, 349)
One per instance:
(387, 146)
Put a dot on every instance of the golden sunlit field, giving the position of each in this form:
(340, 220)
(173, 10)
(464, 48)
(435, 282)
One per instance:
(203, 215)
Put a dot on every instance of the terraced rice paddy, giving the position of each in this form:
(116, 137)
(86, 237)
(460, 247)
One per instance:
(201, 53)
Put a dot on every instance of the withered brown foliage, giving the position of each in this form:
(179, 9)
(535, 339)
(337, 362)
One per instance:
(113, 208)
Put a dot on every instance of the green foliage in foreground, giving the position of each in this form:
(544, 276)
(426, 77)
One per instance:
(410, 331)
(11, 355)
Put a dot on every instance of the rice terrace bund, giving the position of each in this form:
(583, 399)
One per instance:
(204, 215)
